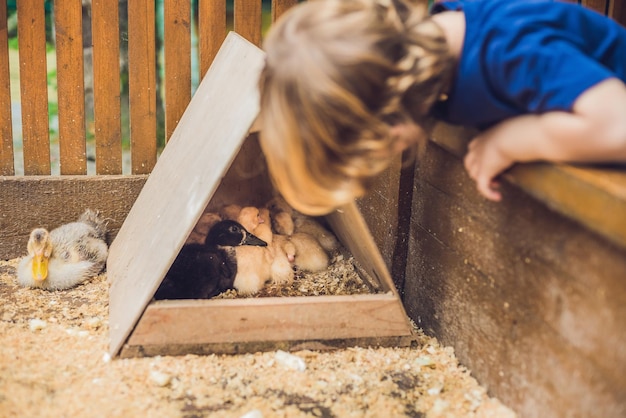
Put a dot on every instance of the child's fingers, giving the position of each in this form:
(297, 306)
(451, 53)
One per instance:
(471, 165)
(488, 188)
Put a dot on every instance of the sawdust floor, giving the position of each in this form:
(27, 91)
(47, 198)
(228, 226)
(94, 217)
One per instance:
(54, 363)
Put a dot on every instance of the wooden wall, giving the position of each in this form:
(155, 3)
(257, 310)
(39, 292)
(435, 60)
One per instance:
(387, 211)
(533, 302)
(49, 201)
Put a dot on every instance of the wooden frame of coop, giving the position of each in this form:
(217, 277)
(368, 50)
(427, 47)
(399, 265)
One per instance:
(530, 292)
(227, 168)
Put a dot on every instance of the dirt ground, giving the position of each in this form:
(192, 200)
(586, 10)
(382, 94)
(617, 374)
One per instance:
(54, 363)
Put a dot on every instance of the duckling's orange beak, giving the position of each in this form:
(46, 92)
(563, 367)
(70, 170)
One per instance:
(40, 267)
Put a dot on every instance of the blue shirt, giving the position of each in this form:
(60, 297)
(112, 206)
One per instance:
(528, 56)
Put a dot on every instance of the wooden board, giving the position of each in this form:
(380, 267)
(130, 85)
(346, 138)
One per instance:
(49, 201)
(387, 210)
(6, 121)
(196, 326)
(203, 145)
(593, 196)
(617, 11)
(177, 51)
(70, 87)
(142, 85)
(532, 302)
(227, 166)
(244, 325)
(33, 87)
(600, 6)
(106, 87)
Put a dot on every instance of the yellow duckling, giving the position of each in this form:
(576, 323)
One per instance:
(67, 255)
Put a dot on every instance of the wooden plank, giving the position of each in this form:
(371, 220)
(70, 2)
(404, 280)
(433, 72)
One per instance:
(211, 31)
(177, 61)
(106, 81)
(32, 201)
(142, 85)
(270, 319)
(617, 11)
(532, 302)
(248, 20)
(6, 127)
(71, 86)
(573, 269)
(350, 227)
(593, 196)
(34, 87)
(243, 347)
(139, 257)
(519, 358)
(281, 6)
(600, 6)
(387, 210)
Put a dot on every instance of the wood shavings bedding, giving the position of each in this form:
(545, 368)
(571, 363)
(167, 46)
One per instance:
(340, 278)
(54, 362)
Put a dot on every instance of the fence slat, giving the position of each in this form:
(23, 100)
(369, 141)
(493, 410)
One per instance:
(211, 31)
(142, 85)
(6, 129)
(71, 86)
(248, 19)
(597, 5)
(617, 10)
(177, 61)
(33, 86)
(281, 6)
(106, 86)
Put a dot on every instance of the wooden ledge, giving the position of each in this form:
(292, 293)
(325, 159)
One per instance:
(593, 196)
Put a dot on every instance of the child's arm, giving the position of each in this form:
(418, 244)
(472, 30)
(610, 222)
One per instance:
(595, 131)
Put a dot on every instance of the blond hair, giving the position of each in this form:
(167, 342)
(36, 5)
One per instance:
(338, 75)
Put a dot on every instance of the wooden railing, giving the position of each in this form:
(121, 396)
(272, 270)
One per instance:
(210, 29)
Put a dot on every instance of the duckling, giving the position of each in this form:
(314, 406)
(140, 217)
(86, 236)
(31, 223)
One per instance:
(253, 269)
(230, 212)
(282, 250)
(254, 264)
(284, 256)
(263, 229)
(310, 255)
(249, 217)
(66, 256)
(205, 270)
(313, 227)
(281, 215)
(286, 221)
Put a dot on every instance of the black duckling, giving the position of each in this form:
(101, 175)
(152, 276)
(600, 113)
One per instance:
(201, 271)
(67, 255)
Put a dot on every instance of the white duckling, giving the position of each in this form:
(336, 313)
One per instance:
(284, 256)
(67, 255)
(281, 214)
(310, 255)
(254, 264)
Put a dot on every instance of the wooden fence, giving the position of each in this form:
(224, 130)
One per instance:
(211, 31)
(107, 130)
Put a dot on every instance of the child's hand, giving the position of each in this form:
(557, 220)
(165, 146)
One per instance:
(484, 161)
